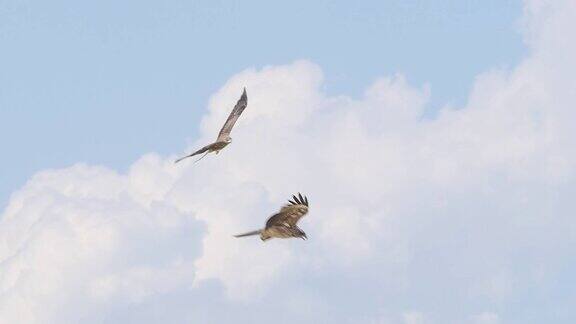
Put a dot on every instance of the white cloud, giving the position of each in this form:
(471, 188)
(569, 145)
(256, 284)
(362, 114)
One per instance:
(76, 236)
(467, 206)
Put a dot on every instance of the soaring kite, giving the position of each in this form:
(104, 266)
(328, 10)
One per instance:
(224, 136)
(283, 223)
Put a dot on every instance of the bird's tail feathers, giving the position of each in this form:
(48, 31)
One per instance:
(257, 232)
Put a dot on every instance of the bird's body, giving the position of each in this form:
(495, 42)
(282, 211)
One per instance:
(280, 231)
(217, 146)
(224, 136)
(214, 147)
(283, 223)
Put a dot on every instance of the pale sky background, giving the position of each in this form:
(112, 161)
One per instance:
(434, 139)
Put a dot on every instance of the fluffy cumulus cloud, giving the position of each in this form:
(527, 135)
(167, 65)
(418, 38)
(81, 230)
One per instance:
(466, 217)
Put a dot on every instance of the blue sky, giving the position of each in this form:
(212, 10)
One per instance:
(104, 82)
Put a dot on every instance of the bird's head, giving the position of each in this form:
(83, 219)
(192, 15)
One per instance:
(228, 140)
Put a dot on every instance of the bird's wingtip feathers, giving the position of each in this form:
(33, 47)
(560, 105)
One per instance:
(300, 200)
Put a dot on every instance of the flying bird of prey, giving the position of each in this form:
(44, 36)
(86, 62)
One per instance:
(224, 136)
(283, 223)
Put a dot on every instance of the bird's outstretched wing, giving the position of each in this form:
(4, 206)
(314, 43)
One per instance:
(200, 151)
(290, 214)
(236, 112)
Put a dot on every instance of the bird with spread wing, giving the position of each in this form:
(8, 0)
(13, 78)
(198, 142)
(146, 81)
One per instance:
(283, 223)
(224, 136)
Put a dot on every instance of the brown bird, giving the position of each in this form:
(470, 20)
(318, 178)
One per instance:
(224, 136)
(283, 223)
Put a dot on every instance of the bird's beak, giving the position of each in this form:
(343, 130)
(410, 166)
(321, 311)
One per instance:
(304, 237)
